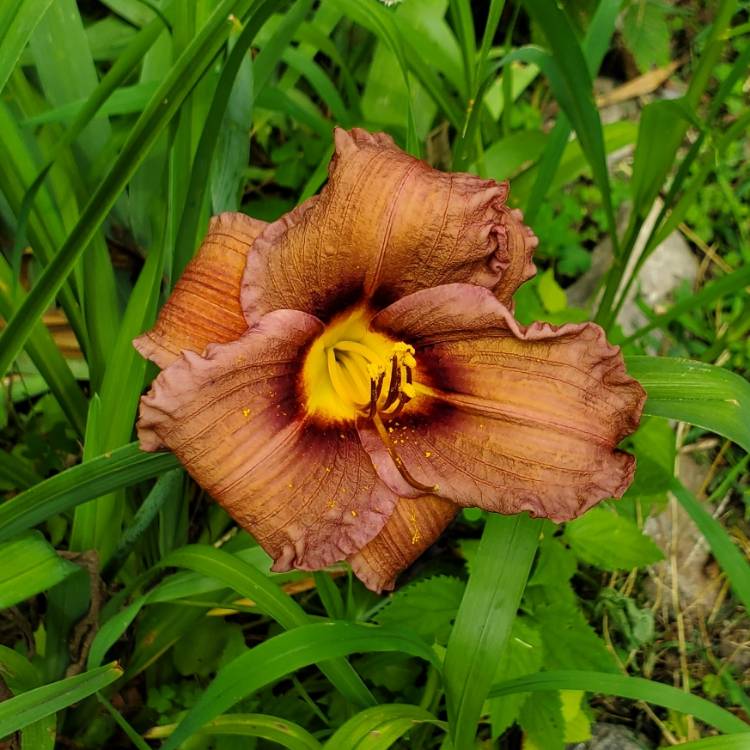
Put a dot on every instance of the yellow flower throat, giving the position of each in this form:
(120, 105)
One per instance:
(353, 372)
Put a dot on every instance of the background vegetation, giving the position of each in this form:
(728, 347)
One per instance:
(134, 613)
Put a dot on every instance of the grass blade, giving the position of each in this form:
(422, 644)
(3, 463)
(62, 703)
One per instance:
(702, 394)
(28, 566)
(248, 581)
(33, 705)
(17, 472)
(484, 618)
(166, 101)
(20, 675)
(730, 742)
(379, 727)
(380, 21)
(625, 687)
(120, 468)
(15, 31)
(714, 290)
(279, 656)
(594, 48)
(272, 728)
(188, 228)
(573, 89)
(731, 560)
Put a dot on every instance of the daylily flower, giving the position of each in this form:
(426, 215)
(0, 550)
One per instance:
(344, 379)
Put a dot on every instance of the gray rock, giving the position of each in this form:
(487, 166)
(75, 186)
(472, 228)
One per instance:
(670, 264)
(612, 737)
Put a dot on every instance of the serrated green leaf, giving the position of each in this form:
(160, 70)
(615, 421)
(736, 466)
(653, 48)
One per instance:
(646, 33)
(569, 641)
(577, 722)
(210, 638)
(554, 564)
(609, 541)
(427, 607)
(654, 447)
(542, 721)
(524, 655)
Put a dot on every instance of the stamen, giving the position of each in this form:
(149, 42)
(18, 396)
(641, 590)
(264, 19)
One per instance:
(383, 434)
(357, 348)
(352, 391)
(395, 384)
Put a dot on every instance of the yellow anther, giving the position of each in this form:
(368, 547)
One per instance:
(401, 347)
(352, 372)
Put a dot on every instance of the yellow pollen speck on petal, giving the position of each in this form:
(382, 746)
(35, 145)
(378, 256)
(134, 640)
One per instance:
(427, 454)
(246, 412)
(331, 503)
(416, 534)
(291, 486)
(354, 514)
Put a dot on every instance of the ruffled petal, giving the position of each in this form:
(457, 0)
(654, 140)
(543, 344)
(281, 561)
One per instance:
(309, 495)
(415, 525)
(509, 419)
(384, 226)
(204, 307)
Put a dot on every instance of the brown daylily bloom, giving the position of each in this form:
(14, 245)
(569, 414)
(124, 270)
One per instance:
(344, 379)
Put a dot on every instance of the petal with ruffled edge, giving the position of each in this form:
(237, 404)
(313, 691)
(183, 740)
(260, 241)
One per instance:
(384, 226)
(511, 419)
(309, 495)
(204, 307)
(415, 525)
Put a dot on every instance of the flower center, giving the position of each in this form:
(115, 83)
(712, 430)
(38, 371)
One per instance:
(353, 372)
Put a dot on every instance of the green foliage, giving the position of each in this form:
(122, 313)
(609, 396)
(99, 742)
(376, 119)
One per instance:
(645, 31)
(29, 565)
(125, 125)
(609, 541)
(427, 607)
